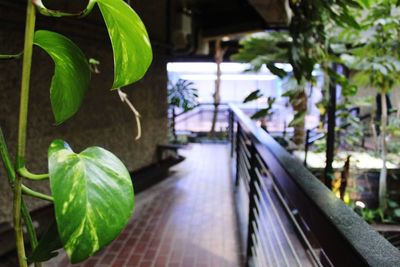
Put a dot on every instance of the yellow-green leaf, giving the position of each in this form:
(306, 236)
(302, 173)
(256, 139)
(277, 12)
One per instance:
(93, 198)
(129, 39)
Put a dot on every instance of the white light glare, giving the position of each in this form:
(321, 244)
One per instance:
(360, 204)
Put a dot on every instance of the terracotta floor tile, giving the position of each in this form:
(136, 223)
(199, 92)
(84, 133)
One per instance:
(134, 260)
(119, 263)
(108, 259)
(90, 263)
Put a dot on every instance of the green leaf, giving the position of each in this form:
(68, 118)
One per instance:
(349, 20)
(71, 77)
(253, 96)
(292, 93)
(93, 198)
(48, 244)
(392, 204)
(299, 118)
(396, 213)
(261, 113)
(277, 71)
(129, 39)
(349, 90)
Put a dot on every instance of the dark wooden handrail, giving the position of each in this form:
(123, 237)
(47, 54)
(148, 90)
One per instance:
(344, 237)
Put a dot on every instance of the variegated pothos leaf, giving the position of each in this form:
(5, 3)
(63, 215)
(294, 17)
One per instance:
(71, 76)
(129, 39)
(93, 198)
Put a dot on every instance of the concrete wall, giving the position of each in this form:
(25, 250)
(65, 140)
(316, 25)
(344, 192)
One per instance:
(103, 120)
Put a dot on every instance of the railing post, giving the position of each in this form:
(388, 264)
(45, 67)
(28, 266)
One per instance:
(331, 134)
(237, 155)
(284, 129)
(306, 147)
(173, 125)
(252, 203)
(231, 131)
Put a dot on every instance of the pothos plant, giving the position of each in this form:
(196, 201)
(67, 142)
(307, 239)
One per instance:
(91, 191)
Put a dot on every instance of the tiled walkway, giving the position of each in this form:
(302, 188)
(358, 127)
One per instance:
(186, 221)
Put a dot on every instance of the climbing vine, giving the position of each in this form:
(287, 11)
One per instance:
(91, 191)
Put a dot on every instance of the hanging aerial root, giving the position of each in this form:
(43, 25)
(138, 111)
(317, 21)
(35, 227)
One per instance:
(124, 99)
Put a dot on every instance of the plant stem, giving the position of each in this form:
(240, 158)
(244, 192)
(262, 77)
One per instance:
(6, 159)
(29, 192)
(12, 177)
(383, 173)
(22, 126)
(7, 57)
(58, 14)
(30, 228)
(29, 224)
(31, 176)
(19, 237)
(26, 73)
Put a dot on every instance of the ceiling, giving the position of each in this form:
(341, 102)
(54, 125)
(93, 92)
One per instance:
(224, 17)
(214, 19)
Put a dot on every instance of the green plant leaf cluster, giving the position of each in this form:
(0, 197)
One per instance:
(265, 49)
(131, 49)
(183, 95)
(375, 54)
(309, 27)
(389, 216)
(394, 127)
(262, 113)
(306, 46)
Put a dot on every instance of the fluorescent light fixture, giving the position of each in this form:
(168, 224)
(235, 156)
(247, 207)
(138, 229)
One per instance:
(193, 68)
(228, 77)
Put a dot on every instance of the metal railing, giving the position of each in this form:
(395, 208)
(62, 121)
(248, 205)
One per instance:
(289, 218)
(198, 119)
